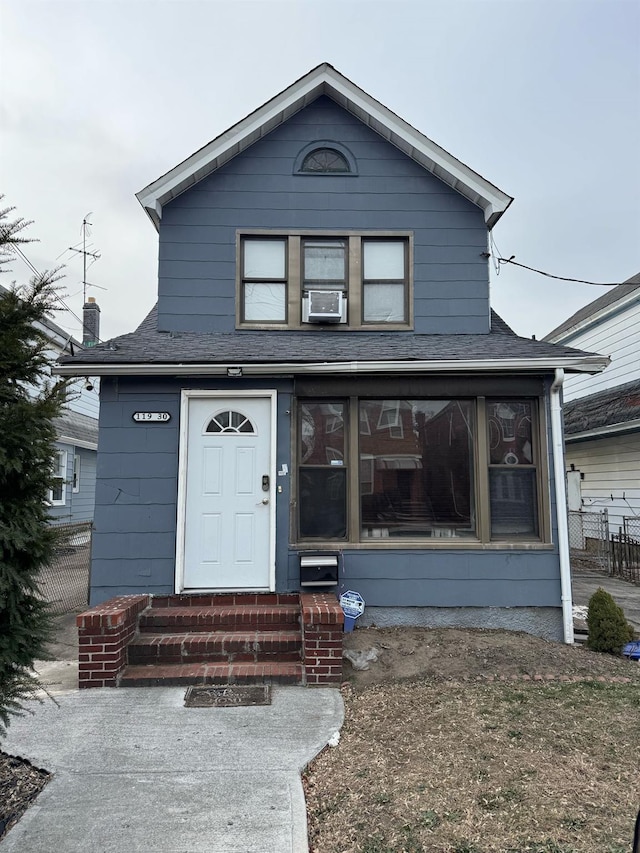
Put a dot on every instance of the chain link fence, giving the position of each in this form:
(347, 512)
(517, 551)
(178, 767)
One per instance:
(64, 583)
(625, 550)
(589, 541)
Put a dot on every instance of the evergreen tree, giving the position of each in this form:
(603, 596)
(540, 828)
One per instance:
(29, 400)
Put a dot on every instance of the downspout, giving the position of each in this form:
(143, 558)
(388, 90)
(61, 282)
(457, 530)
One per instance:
(561, 505)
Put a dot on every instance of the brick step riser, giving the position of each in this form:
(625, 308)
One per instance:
(144, 659)
(227, 648)
(225, 599)
(186, 624)
(201, 674)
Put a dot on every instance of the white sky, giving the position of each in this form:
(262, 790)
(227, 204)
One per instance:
(99, 98)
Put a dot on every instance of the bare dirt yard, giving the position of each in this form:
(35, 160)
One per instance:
(473, 741)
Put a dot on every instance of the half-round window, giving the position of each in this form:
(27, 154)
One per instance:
(325, 160)
(230, 422)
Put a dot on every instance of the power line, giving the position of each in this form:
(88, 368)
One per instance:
(16, 248)
(512, 260)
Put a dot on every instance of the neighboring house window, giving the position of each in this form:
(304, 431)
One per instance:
(325, 160)
(76, 473)
(278, 276)
(58, 493)
(426, 469)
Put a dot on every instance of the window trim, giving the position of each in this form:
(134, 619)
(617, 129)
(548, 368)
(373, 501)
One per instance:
(77, 467)
(294, 283)
(59, 472)
(483, 541)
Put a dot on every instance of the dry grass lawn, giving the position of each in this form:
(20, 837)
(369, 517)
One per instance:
(482, 767)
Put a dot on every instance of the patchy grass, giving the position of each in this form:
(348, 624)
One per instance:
(480, 768)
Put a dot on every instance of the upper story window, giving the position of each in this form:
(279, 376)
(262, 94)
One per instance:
(351, 281)
(325, 160)
(325, 157)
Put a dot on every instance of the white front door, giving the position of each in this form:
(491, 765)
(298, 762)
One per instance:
(227, 493)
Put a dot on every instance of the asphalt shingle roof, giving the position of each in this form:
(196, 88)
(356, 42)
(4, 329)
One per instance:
(77, 426)
(606, 408)
(597, 305)
(149, 346)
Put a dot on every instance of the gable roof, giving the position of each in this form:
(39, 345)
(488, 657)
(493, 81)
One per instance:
(595, 310)
(325, 80)
(150, 352)
(607, 412)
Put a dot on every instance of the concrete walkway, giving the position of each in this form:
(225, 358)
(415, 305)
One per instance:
(624, 593)
(134, 770)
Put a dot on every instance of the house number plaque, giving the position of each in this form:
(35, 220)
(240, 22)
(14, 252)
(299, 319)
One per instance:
(152, 417)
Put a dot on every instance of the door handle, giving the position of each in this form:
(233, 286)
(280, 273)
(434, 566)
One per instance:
(265, 501)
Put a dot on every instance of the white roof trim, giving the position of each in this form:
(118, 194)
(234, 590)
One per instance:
(325, 80)
(604, 431)
(586, 364)
(76, 442)
(621, 304)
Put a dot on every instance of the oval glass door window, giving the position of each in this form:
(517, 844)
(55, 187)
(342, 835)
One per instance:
(231, 422)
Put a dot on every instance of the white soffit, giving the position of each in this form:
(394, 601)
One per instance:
(325, 80)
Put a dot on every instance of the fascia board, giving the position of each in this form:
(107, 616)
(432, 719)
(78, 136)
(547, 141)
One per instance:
(76, 442)
(589, 364)
(604, 431)
(326, 81)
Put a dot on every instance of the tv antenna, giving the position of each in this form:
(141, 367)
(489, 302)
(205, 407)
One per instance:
(85, 254)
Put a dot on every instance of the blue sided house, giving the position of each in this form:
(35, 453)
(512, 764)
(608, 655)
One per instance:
(322, 398)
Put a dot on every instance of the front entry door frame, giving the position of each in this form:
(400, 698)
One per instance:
(191, 394)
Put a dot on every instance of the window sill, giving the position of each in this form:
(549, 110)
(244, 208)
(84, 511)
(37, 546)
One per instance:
(324, 327)
(396, 544)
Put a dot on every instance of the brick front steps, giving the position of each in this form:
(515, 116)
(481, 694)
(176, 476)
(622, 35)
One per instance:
(142, 640)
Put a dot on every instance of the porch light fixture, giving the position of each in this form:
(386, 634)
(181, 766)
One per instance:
(234, 371)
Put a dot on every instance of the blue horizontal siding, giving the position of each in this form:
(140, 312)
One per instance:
(258, 189)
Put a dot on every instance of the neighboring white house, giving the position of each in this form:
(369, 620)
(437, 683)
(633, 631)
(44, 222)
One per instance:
(72, 498)
(602, 412)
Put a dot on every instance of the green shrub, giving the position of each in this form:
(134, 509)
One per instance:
(608, 629)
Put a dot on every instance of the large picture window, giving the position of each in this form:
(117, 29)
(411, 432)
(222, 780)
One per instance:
(418, 466)
(322, 473)
(461, 469)
(512, 472)
(278, 273)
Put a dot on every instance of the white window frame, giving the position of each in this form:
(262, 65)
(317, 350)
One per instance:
(76, 473)
(59, 472)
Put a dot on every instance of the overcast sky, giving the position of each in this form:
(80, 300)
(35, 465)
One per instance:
(99, 98)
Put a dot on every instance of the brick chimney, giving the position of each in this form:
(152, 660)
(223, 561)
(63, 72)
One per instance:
(90, 323)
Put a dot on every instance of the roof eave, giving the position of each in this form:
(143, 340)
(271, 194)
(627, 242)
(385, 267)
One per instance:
(586, 364)
(604, 431)
(325, 80)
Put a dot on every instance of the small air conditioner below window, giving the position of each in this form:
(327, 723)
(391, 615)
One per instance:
(324, 306)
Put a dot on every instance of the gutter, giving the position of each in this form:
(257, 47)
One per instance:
(584, 364)
(561, 504)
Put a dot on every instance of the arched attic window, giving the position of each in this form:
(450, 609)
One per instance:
(324, 160)
(325, 157)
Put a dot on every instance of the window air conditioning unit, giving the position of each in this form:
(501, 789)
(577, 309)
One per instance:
(324, 306)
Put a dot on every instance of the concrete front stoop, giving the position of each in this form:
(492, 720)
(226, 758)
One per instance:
(230, 638)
